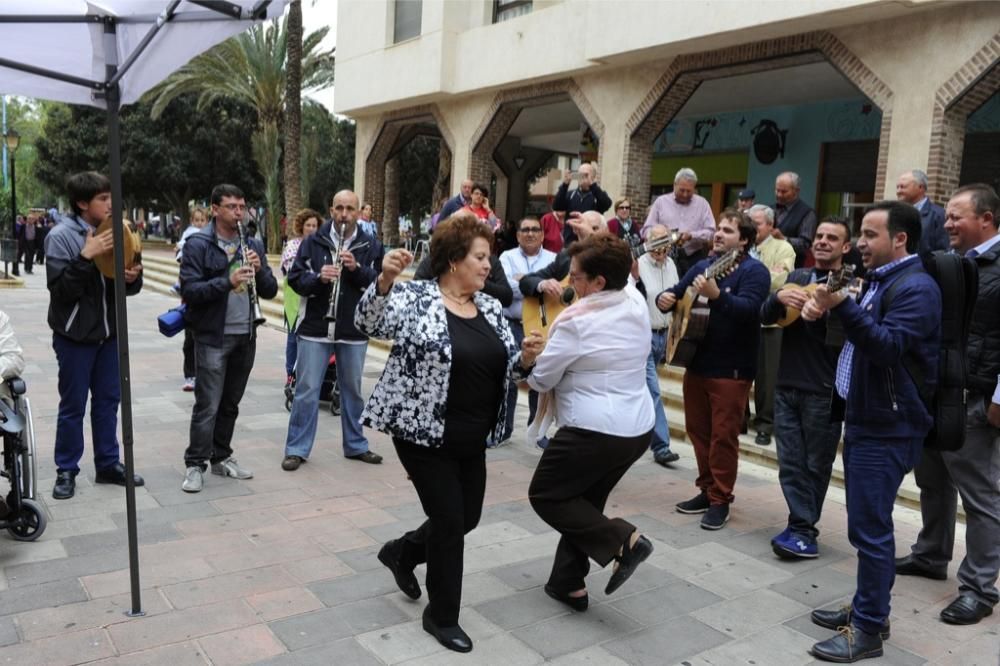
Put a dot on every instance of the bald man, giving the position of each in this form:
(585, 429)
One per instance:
(588, 196)
(313, 275)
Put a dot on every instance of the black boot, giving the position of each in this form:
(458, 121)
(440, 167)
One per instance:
(390, 556)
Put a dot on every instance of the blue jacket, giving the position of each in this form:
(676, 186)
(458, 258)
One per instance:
(933, 236)
(317, 251)
(452, 205)
(205, 284)
(729, 348)
(883, 401)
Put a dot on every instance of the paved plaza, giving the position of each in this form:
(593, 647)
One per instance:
(281, 569)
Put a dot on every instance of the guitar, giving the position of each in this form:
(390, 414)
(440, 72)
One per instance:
(835, 281)
(641, 248)
(541, 310)
(691, 313)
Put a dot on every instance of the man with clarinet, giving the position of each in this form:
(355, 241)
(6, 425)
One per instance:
(223, 273)
(333, 268)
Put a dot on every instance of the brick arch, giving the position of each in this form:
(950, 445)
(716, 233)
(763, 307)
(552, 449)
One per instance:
(967, 89)
(500, 117)
(381, 169)
(683, 76)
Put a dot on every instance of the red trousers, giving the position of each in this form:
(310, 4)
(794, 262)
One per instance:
(713, 414)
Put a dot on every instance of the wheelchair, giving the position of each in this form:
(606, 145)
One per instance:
(25, 519)
(329, 392)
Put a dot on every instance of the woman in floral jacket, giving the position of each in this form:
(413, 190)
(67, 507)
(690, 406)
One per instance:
(440, 397)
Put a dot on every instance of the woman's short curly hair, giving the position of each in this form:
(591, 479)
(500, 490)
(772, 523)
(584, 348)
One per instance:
(300, 219)
(603, 254)
(452, 240)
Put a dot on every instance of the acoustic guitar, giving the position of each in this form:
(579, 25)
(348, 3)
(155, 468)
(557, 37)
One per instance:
(690, 322)
(541, 310)
(835, 281)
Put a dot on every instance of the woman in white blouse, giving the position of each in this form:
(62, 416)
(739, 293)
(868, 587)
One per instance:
(597, 375)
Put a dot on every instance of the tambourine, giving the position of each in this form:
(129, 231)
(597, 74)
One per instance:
(133, 247)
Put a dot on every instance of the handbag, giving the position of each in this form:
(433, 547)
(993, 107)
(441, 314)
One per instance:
(171, 322)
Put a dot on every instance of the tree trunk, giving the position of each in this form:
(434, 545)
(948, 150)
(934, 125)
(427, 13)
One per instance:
(293, 110)
(442, 185)
(267, 154)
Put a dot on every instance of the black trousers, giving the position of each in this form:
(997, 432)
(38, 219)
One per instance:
(451, 485)
(574, 477)
(189, 356)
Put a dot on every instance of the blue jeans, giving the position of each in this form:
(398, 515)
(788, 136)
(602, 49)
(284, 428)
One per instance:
(807, 446)
(222, 378)
(313, 359)
(517, 328)
(661, 430)
(87, 369)
(291, 352)
(873, 471)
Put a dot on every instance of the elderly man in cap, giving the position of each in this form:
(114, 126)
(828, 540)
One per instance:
(745, 199)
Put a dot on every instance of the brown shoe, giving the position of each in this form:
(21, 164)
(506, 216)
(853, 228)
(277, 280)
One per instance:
(291, 463)
(368, 457)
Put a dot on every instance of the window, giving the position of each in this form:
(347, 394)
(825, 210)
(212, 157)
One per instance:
(406, 20)
(508, 9)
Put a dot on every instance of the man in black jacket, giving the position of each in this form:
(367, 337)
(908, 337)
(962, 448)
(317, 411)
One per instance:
(587, 196)
(220, 277)
(82, 319)
(974, 470)
(794, 220)
(313, 276)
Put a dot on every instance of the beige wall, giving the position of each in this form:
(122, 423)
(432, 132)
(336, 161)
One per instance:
(914, 56)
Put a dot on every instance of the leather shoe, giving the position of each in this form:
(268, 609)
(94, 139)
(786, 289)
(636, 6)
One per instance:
(966, 609)
(576, 603)
(368, 457)
(835, 619)
(762, 439)
(116, 475)
(908, 566)
(405, 580)
(65, 485)
(453, 638)
(291, 463)
(849, 646)
(631, 557)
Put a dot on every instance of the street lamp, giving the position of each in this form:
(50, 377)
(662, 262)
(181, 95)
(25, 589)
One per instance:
(9, 244)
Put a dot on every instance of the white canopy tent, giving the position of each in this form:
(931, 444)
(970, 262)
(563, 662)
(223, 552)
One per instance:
(107, 53)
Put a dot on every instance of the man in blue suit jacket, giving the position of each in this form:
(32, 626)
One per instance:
(912, 188)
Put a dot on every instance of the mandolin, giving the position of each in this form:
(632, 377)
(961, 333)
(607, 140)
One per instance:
(835, 281)
(690, 322)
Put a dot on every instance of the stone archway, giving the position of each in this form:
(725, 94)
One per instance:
(396, 130)
(500, 118)
(683, 76)
(974, 83)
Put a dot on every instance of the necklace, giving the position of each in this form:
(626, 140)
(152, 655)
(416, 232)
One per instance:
(456, 300)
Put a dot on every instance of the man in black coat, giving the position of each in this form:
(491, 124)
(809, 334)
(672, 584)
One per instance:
(912, 188)
(588, 195)
(794, 220)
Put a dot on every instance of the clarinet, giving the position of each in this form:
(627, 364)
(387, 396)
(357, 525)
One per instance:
(331, 309)
(258, 316)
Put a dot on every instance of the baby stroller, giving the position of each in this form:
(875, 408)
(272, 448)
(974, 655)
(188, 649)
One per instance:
(25, 519)
(329, 392)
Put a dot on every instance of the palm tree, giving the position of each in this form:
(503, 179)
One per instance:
(293, 110)
(250, 67)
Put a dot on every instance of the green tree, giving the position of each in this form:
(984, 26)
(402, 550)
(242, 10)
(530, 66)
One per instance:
(250, 67)
(334, 150)
(293, 110)
(26, 115)
(418, 169)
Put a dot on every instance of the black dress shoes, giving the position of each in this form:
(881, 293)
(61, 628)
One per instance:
(835, 619)
(367, 457)
(966, 609)
(631, 557)
(576, 603)
(453, 638)
(65, 485)
(405, 580)
(116, 475)
(849, 646)
(907, 566)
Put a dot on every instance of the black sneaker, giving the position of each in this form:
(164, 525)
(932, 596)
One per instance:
(697, 504)
(666, 457)
(716, 517)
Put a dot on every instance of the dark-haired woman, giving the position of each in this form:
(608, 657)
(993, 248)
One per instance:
(604, 416)
(441, 396)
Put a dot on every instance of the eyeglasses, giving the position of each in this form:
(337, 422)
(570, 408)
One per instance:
(233, 206)
(578, 276)
(624, 207)
(530, 230)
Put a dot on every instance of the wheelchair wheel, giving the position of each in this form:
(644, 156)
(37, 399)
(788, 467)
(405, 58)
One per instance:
(335, 401)
(28, 461)
(30, 522)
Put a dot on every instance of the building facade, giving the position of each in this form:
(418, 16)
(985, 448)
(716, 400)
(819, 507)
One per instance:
(848, 93)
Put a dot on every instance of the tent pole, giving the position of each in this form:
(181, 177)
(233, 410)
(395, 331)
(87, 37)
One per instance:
(121, 316)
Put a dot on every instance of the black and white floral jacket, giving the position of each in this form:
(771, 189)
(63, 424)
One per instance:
(409, 400)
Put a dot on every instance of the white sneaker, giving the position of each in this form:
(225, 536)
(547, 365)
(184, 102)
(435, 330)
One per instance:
(193, 480)
(188, 384)
(229, 467)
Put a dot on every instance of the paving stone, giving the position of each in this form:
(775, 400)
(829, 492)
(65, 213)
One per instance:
(361, 559)
(247, 645)
(750, 614)
(331, 624)
(117, 540)
(283, 603)
(346, 589)
(481, 587)
(345, 651)
(45, 622)
(323, 567)
(777, 646)
(664, 603)
(521, 609)
(818, 587)
(654, 646)
(500, 650)
(525, 575)
(41, 595)
(8, 632)
(569, 633)
(181, 625)
(228, 586)
(169, 514)
(592, 656)
(63, 650)
(215, 488)
(738, 578)
(178, 654)
(26, 552)
(23, 575)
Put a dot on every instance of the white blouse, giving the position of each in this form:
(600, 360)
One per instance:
(595, 364)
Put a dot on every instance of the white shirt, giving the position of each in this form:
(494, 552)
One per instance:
(596, 370)
(655, 279)
(516, 262)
